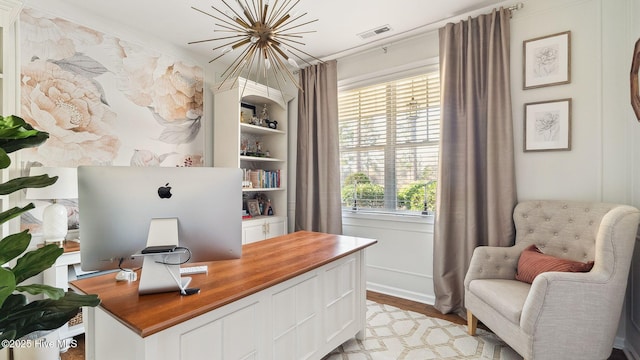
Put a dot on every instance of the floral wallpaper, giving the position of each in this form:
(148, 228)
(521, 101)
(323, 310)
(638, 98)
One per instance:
(106, 101)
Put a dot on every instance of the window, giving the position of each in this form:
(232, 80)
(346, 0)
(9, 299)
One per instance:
(389, 139)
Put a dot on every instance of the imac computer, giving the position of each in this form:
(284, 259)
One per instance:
(177, 214)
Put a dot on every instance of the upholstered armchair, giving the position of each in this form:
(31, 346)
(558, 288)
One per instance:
(559, 315)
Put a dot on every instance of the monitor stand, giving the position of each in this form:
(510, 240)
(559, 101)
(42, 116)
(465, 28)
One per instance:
(157, 277)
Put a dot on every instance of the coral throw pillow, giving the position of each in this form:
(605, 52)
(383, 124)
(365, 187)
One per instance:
(533, 262)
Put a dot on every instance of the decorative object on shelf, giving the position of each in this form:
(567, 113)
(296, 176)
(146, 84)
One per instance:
(261, 197)
(54, 217)
(264, 114)
(269, 208)
(24, 319)
(244, 143)
(635, 89)
(262, 202)
(253, 206)
(272, 124)
(247, 113)
(268, 34)
(547, 60)
(547, 125)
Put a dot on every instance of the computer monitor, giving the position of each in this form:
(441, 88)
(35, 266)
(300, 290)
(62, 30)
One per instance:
(118, 206)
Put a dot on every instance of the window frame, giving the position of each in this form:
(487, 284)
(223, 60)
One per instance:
(380, 77)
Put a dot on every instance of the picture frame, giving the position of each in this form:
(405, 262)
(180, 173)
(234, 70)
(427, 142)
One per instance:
(253, 206)
(247, 112)
(546, 60)
(635, 80)
(547, 125)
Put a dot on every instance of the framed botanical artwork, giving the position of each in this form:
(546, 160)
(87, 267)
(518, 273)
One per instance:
(547, 125)
(547, 60)
(247, 112)
(254, 207)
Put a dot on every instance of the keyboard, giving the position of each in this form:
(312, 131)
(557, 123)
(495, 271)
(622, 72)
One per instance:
(191, 270)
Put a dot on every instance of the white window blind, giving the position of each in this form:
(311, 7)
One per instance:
(389, 136)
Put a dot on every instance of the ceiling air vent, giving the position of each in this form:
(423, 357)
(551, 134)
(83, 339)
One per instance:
(374, 32)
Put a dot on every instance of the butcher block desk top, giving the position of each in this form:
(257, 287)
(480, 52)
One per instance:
(263, 264)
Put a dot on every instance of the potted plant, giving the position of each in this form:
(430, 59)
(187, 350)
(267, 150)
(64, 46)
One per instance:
(20, 318)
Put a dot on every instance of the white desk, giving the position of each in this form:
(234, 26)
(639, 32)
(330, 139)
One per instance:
(297, 296)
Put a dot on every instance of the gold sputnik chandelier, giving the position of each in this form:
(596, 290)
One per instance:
(266, 37)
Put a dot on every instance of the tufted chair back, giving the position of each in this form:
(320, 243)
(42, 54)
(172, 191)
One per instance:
(565, 229)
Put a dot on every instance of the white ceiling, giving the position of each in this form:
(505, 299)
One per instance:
(339, 21)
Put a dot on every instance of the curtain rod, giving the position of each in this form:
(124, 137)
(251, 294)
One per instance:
(515, 7)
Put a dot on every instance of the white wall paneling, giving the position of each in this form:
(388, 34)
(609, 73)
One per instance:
(401, 263)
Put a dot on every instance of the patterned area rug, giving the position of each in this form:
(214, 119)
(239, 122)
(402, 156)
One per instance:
(396, 334)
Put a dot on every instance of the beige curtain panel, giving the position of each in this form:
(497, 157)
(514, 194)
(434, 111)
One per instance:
(476, 181)
(318, 205)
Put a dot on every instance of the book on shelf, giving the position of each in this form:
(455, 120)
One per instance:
(262, 179)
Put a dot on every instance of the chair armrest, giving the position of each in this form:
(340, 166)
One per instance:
(551, 304)
(491, 262)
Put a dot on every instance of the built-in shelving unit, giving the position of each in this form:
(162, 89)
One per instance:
(260, 150)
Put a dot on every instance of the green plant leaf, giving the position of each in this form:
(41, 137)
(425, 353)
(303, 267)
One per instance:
(13, 212)
(18, 317)
(36, 261)
(12, 303)
(8, 282)
(7, 335)
(20, 183)
(16, 134)
(14, 127)
(14, 145)
(13, 245)
(36, 289)
(47, 314)
(5, 160)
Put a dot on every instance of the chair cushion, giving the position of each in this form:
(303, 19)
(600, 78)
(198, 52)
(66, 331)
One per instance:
(506, 297)
(533, 262)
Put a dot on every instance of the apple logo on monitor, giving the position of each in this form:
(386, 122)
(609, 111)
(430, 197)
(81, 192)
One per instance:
(164, 191)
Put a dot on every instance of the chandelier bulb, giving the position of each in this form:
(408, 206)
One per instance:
(293, 63)
(267, 63)
(254, 39)
(227, 49)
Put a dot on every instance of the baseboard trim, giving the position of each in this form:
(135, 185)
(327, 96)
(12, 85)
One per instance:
(401, 293)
